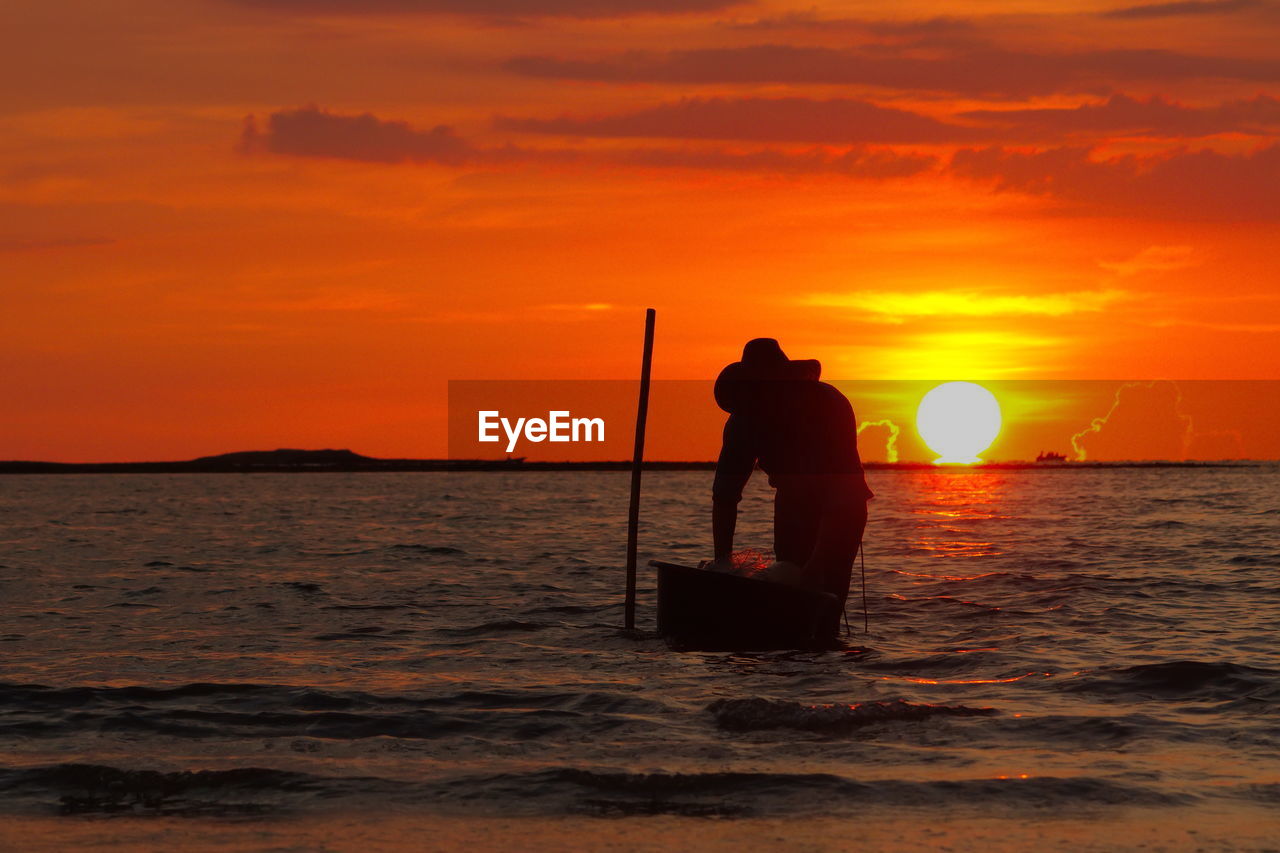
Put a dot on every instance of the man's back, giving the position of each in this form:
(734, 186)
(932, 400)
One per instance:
(800, 429)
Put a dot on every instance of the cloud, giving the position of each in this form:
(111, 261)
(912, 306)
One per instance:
(492, 8)
(970, 351)
(870, 448)
(1153, 117)
(1152, 259)
(896, 306)
(1146, 421)
(983, 70)
(854, 162)
(940, 25)
(1181, 184)
(578, 307)
(1190, 184)
(35, 245)
(838, 121)
(1250, 328)
(313, 132)
(1183, 7)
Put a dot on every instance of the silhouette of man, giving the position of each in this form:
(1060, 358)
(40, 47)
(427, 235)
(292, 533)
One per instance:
(804, 436)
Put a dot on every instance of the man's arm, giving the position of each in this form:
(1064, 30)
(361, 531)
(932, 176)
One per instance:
(733, 469)
(724, 520)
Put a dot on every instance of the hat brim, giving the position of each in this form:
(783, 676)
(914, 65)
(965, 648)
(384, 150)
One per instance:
(734, 384)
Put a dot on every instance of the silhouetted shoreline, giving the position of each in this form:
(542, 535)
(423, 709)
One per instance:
(339, 461)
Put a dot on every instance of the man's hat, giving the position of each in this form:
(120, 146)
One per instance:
(764, 355)
(762, 359)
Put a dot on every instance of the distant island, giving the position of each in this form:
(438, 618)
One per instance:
(287, 460)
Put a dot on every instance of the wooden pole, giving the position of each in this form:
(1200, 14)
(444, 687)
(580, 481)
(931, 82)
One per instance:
(637, 459)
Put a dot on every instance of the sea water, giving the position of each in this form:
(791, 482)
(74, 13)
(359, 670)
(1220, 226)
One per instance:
(1042, 644)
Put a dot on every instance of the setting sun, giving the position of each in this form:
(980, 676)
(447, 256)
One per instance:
(958, 420)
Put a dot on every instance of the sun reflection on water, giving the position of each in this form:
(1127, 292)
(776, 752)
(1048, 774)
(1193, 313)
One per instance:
(960, 500)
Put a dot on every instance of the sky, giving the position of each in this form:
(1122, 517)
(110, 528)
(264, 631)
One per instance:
(246, 224)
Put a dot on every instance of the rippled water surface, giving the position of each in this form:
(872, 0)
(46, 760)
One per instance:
(1042, 643)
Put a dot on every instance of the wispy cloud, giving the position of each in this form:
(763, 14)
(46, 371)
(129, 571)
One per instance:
(896, 307)
(1183, 184)
(34, 245)
(1170, 184)
(578, 307)
(1181, 7)
(979, 70)
(488, 8)
(1152, 259)
(1146, 420)
(1252, 328)
(891, 432)
(972, 353)
(314, 132)
(857, 162)
(1123, 114)
(938, 25)
(836, 121)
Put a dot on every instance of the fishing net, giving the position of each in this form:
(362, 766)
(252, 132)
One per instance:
(751, 561)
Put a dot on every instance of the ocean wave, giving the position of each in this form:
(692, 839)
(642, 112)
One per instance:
(304, 586)
(583, 790)
(41, 697)
(1255, 560)
(1262, 792)
(1086, 731)
(754, 714)
(100, 789)
(1185, 680)
(500, 626)
(576, 608)
(1159, 586)
(942, 664)
(257, 711)
(419, 548)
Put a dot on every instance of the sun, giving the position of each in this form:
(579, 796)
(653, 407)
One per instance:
(958, 420)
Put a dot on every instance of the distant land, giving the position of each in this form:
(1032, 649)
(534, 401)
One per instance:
(322, 461)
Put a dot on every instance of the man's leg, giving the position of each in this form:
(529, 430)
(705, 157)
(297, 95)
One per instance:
(839, 535)
(796, 516)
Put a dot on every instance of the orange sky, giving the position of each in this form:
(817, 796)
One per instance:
(495, 189)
